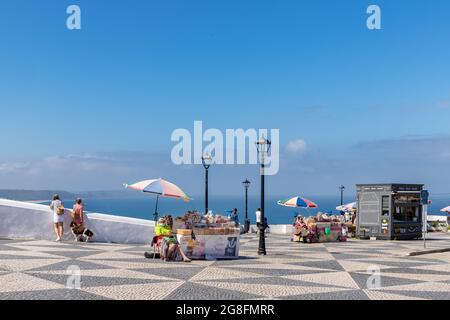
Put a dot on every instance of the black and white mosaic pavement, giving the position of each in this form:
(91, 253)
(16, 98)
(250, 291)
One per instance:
(38, 269)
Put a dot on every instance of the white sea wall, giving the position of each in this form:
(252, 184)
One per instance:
(435, 218)
(118, 229)
(24, 220)
(275, 228)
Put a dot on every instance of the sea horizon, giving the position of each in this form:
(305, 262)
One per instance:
(142, 206)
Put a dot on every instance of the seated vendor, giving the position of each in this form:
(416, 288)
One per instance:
(163, 229)
(169, 247)
(300, 229)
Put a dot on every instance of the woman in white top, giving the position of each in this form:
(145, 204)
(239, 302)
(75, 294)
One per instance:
(58, 220)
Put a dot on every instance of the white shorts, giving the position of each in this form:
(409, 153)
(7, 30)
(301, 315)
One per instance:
(57, 218)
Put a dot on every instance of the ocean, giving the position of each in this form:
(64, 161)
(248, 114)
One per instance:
(143, 206)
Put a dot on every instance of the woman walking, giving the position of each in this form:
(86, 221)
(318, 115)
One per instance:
(58, 216)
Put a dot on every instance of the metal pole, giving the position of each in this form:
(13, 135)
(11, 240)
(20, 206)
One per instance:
(206, 191)
(246, 210)
(342, 194)
(262, 226)
(424, 223)
(155, 215)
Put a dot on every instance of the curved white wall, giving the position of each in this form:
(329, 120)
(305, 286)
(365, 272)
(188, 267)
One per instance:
(35, 221)
(275, 228)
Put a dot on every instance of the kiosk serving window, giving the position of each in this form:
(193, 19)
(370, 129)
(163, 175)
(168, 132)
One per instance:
(406, 214)
(406, 208)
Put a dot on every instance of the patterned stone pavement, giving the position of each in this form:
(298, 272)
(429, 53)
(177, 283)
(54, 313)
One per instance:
(38, 269)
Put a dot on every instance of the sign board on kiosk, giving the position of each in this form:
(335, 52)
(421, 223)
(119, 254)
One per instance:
(424, 195)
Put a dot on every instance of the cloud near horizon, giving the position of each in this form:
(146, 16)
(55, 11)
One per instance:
(296, 147)
(79, 172)
(411, 159)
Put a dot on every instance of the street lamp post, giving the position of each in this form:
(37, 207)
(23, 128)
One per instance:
(246, 185)
(206, 161)
(342, 188)
(263, 147)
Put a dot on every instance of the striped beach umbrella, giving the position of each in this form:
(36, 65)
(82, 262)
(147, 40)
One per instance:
(349, 207)
(446, 209)
(297, 202)
(160, 187)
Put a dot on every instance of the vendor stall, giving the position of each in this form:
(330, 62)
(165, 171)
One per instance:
(207, 237)
(322, 228)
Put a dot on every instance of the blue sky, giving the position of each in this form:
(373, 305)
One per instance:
(93, 108)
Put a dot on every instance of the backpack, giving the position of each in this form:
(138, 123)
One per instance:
(60, 210)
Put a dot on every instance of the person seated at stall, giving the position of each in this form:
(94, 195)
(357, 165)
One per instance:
(298, 222)
(299, 230)
(169, 248)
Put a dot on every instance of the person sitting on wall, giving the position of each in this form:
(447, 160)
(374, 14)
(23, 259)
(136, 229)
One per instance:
(169, 248)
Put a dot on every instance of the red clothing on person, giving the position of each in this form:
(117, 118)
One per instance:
(78, 214)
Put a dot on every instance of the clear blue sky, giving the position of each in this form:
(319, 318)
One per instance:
(93, 108)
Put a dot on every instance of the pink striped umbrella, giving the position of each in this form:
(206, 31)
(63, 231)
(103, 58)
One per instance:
(349, 207)
(297, 202)
(446, 209)
(161, 188)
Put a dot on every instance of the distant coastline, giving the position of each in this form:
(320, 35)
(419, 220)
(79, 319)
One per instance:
(36, 196)
(36, 201)
(32, 195)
